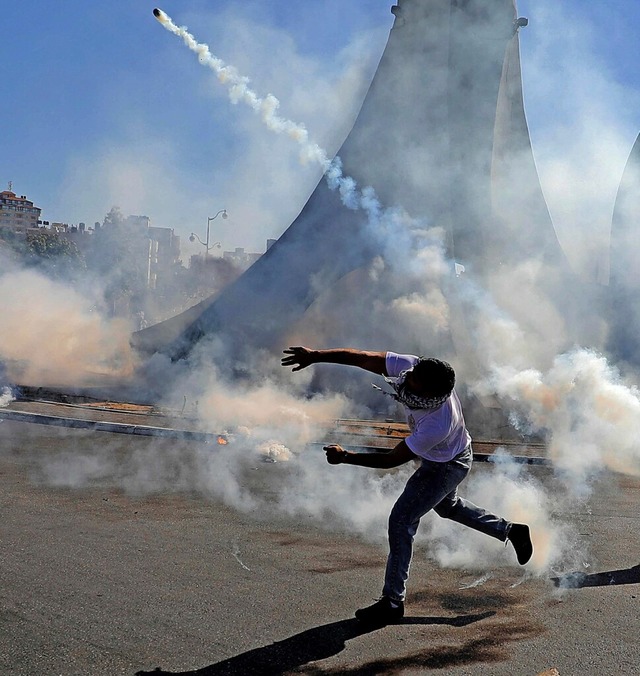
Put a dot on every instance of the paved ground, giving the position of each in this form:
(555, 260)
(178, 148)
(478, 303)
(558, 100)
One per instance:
(95, 580)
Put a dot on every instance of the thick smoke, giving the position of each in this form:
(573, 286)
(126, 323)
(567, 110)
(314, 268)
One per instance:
(62, 339)
(582, 148)
(588, 414)
(6, 396)
(517, 332)
(510, 348)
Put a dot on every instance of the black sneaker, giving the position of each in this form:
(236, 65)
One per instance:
(381, 612)
(520, 538)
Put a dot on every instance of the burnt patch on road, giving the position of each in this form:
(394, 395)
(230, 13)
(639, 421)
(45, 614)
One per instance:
(488, 621)
(490, 645)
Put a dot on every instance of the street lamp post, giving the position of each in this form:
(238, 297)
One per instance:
(193, 237)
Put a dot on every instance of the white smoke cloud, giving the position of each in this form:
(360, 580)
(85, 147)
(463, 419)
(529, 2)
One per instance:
(575, 399)
(139, 174)
(6, 396)
(262, 416)
(51, 334)
(581, 148)
(513, 491)
(588, 413)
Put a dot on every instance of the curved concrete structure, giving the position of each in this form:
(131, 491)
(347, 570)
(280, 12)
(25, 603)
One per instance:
(624, 283)
(441, 133)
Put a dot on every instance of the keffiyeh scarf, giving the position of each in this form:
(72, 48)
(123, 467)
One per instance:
(402, 395)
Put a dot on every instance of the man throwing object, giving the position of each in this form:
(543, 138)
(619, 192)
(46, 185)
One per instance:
(439, 438)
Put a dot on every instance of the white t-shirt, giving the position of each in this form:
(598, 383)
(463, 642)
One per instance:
(437, 435)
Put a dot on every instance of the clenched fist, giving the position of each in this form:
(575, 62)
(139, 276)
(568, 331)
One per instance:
(335, 454)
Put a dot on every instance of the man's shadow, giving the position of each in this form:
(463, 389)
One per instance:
(314, 644)
(577, 580)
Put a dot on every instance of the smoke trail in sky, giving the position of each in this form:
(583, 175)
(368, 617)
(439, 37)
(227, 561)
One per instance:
(240, 91)
(267, 107)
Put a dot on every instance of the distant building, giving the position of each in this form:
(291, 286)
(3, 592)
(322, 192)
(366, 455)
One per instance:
(164, 255)
(79, 234)
(17, 213)
(240, 258)
(154, 251)
(141, 222)
(209, 274)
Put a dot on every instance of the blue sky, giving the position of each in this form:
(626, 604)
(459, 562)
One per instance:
(103, 107)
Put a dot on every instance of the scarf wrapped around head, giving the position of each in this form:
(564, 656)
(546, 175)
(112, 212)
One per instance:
(408, 399)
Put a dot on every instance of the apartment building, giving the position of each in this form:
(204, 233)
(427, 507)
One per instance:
(17, 212)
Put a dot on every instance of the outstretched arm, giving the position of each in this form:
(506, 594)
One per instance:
(301, 357)
(336, 455)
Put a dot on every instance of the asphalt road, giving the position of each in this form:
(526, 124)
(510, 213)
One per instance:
(102, 580)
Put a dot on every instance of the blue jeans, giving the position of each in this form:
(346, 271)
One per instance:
(434, 485)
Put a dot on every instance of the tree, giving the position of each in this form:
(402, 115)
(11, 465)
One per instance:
(119, 255)
(55, 256)
(114, 218)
